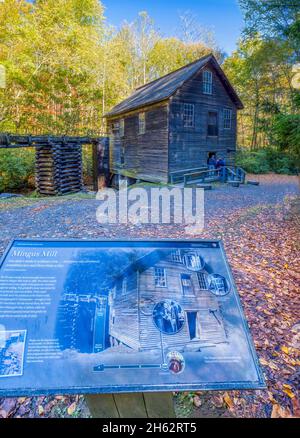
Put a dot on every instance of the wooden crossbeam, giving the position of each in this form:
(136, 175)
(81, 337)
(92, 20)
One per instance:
(8, 141)
(58, 160)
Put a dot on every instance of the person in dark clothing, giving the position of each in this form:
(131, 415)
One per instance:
(220, 163)
(212, 164)
(212, 161)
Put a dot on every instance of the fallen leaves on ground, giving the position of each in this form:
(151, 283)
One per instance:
(263, 252)
(72, 408)
(262, 246)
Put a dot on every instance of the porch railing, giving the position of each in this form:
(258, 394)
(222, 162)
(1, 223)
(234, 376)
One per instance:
(223, 174)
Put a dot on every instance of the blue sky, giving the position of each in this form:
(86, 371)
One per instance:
(223, 16)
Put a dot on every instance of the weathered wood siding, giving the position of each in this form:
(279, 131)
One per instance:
(188, 147)
(203, 301)
(124, 323)
(145, 156)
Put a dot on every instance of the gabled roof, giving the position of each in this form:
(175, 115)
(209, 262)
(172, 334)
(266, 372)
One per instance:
(164, 87)
(145, 262)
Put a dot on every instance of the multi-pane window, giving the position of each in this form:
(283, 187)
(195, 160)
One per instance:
(122, 128)
(176, 256)
(115, 128)
(188, 115)
(142, 123)
(212, 124)
(202, 280)
(207, 82)
(160, 277)
(227, 118)
(220, 286)
(186, 285)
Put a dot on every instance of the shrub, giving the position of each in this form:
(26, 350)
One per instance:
(266, 160)
(286, 134)
(280, 161)
(87, 164)
(16, 169)
(253, 162)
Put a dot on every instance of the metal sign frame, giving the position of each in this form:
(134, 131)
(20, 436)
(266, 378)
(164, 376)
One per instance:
(171, 358)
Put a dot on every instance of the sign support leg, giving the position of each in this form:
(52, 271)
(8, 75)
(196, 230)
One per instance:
(133, 405)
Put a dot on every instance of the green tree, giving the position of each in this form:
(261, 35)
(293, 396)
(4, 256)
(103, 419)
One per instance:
(261, 74)
(171, 53)
(66, 68)
(50, 49)
(273, 19)
(262, 68)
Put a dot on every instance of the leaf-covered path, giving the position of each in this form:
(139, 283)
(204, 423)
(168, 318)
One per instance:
(260, 227)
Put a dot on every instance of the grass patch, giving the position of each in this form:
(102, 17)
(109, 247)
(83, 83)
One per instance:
(32, 199)
(267, 160)
(183, 404)
(146, 184)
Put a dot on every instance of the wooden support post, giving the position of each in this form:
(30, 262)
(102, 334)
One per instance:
(100, 163)
(223, 174)
(95, 167)
(133, 405)
(58, 168)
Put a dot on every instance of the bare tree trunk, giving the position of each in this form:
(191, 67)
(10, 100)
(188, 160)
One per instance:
(255, 119)
(103, 95)
(144, 70)
(242, 130)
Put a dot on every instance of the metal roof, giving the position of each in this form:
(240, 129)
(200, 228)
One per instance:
(164, 87)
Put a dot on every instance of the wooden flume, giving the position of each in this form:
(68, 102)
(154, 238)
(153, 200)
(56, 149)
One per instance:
(58, 160)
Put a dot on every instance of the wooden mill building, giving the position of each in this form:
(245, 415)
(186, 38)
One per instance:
(178, 276)
(173, 124)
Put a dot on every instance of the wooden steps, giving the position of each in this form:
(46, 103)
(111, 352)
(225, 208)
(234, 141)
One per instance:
(234, 183)
(253, 183)
(202, 177)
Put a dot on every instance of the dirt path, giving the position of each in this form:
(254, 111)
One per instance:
(260, 229)
(75, 216)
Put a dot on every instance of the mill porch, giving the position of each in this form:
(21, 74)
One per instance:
(232, 175)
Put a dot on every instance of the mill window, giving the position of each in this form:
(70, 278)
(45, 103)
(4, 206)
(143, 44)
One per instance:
(212, 124)
(186, 285)
(188, 115)
(207, 82)
(160, 277)
(227, 118)
(142, 123)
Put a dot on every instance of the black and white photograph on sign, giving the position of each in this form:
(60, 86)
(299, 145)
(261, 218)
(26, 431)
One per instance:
(12, 344)
(168, 317)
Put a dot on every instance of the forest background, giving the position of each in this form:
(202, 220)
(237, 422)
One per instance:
(62, 67)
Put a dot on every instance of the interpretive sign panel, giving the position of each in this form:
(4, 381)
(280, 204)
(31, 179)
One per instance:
(121, 316)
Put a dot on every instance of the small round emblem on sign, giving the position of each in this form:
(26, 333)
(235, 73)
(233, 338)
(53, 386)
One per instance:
(218, 284)
(176, 362)
(193, 261)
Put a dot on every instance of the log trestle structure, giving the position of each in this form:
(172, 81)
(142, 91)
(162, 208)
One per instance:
(58, 160)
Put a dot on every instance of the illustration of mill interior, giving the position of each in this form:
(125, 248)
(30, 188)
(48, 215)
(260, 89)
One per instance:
(177, 278)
